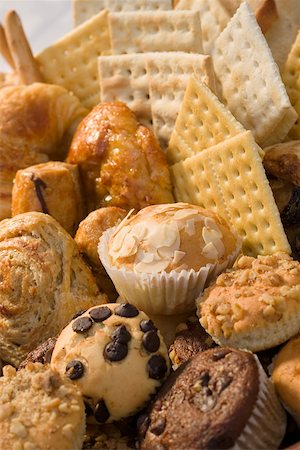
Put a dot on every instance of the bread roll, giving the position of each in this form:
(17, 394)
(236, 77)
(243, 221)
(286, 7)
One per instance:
(43, 282)
(36, 122)
(52, 188)
(120, 160)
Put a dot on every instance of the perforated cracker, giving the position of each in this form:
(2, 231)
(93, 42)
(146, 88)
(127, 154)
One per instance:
(85, 9)
(149, 31)
(230, 180)
(168, 75)
(203, 121)
(124, 78)
(72, 61)
(250, 81)
(213, 15)
(291, 78)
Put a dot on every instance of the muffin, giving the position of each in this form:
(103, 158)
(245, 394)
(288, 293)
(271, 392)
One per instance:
(161, 258)
(87, 238)
(39, 410)
(117, 358)
(286, 377)
(255, 305)
(219, 399)
(190, 339)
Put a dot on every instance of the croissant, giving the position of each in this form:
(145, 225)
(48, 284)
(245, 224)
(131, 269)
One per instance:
(34, 119)
(120, 160)
(43, 282)
(52, 188)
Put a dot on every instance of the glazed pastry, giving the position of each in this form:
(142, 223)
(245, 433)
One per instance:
(219, 399)
(161, 258)
(39, 410)
(52, 188)
(44, 282)
(286, 377)
(87, 238)
(116, 356)
(42, 354)
(120, 160)
(255, 305)
(36, 122)
(190, 339)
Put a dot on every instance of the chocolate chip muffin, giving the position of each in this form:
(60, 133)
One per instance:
(117, 358)
(219, 399)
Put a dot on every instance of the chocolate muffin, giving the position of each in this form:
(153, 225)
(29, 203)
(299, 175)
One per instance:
(41, 354)
(190, 339)
(218, 399)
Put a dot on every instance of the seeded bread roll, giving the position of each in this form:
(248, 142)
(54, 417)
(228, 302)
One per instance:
(52, 188)
(44, 282)
(161, 258)
(87, 238)
(219, 399)
(39, 410)
(256, 305)
(286, 378)
(117, 358)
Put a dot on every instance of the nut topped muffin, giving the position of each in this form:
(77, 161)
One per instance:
(255, 305)
(117, 358)
(167, 252)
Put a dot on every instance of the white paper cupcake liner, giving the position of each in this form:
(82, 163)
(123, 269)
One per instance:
(162, 293)
(266, 426)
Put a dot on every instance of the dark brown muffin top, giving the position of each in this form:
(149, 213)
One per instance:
(205, 404)
(189, 341)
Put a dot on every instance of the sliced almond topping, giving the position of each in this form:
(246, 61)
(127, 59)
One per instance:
(184, 213)
(178, 255)
(190, 227)
(118, 238)
(210, 251)
(154, 267)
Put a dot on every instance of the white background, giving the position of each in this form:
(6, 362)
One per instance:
(44, 21)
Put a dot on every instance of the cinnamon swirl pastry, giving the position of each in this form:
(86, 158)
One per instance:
(43, 282)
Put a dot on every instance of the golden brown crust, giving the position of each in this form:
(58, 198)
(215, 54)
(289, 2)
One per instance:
(120, 160)
(44, 282)
(283, 161)
(256, 305)
(52, 188)
(39, 410)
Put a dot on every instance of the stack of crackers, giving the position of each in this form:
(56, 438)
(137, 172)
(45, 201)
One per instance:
(213, 78)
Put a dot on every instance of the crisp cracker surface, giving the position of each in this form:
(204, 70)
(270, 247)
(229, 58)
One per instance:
(203, 121)
(291, 78)
(214, 18)
(250, 81)
(72, 61)
(85, 9)
(149, 31)
(230, 180)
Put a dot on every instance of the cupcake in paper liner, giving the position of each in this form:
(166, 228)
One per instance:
(221, 398)
(162, 258)
(286, 377)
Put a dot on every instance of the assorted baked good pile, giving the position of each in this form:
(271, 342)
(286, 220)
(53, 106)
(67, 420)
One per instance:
(149, 187)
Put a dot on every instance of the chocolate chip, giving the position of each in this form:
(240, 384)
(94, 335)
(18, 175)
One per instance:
(204, 379)
(159, 426)
(115, 351)
(151, 341)
(101, 412)
(79, 313)
(88, 409)
(220, 354)
(74, 369)
(147, 325)
(82, 324)
(101, 313)
(126, 310)
(121, 334)
(157, 367)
